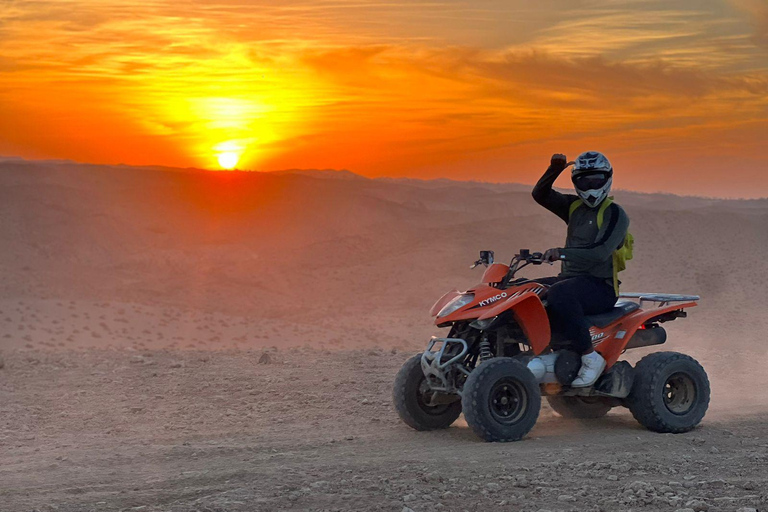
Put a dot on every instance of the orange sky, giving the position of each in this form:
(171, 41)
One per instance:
(675, 92)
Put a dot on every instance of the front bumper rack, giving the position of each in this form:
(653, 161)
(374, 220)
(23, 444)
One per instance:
(439, 357)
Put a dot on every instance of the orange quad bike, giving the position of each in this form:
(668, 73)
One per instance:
(500, 358)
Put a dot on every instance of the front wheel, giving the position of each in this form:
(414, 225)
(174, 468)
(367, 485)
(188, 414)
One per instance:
(578, 407)
(411, 399)
(670, 393)
(501, 400)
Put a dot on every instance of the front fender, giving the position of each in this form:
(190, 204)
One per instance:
(530, 314)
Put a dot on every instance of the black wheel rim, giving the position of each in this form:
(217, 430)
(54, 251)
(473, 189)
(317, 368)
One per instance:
(421, 399)
(679, 393)
(508, 401)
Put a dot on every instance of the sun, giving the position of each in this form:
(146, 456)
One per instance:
(228, 160)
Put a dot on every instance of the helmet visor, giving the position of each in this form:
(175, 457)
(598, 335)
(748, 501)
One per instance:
(590, 180)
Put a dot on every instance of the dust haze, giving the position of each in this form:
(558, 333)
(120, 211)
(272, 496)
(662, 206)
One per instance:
(137, 306)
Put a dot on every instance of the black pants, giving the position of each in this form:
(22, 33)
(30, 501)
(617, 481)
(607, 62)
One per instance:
(570, 299)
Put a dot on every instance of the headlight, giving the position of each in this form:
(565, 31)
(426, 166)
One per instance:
(456, 304)
(483, 324)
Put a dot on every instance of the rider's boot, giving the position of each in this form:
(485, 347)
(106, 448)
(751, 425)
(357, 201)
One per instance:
(592, 366)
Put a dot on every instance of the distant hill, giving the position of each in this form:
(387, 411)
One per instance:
(304, 246)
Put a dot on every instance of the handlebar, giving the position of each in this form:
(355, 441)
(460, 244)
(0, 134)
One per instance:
(527, 256)
(524, 258)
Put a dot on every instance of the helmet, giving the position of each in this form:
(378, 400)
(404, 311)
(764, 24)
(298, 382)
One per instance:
(592, 176)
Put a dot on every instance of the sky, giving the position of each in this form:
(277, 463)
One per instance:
(674, 92)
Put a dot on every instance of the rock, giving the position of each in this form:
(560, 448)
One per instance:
(685, 510)
(492, 486)
(714, 450)
(265, 358)
(746, 509)
(612, 478)
(409, 497)
(521, 481)
(716, 484)
(566, 498)
(697, 505)
(2, 363)
(638, 485)
(698, 441)
(176, 365)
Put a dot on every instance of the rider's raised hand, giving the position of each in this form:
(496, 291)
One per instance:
(558, 161)
(551, 255)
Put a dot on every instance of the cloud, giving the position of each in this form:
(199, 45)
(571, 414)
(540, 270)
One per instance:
(757, 13)
(679, 32)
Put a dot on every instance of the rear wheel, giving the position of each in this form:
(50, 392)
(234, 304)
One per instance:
(670, 393)
(578, 407)
(413, 400)
(501, 400)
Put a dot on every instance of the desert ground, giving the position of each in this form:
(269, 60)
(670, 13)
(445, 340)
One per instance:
(190, 341)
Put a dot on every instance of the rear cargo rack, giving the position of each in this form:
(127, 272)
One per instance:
(662, 298)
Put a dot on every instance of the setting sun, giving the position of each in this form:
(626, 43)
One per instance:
(228, 160)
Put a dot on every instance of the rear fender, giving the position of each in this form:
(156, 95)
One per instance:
(628, 325)
(442, 301)
(530, 314)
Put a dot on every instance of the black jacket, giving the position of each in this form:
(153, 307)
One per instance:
(588, 250)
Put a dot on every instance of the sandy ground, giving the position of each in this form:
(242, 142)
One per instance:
(171, 430)
(135, 304)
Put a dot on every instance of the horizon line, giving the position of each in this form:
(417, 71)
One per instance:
(4, 158)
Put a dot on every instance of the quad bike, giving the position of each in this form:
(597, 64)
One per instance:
(500, 358)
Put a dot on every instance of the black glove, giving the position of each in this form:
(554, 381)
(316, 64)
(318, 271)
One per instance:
(559, 162)
(551, 255)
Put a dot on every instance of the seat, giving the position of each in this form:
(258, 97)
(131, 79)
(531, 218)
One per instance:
(622, 307)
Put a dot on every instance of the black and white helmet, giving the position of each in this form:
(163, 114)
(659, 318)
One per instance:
(592, 176)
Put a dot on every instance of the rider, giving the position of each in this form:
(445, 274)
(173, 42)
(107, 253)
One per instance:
(585, 285)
